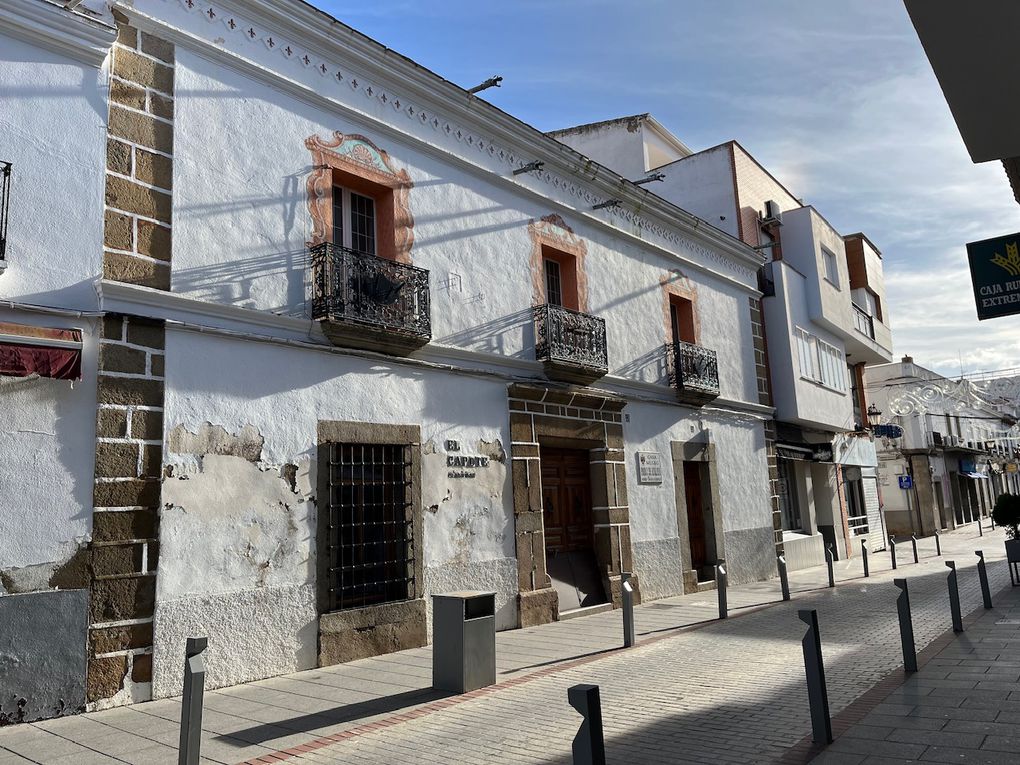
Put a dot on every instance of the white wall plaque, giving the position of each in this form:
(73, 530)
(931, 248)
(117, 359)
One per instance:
(649, 467)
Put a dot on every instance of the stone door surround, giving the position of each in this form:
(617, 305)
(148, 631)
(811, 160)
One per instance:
(696, 450)
(573, 418)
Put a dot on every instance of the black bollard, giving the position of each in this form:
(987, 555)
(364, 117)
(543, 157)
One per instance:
(589, 746)
(818, 697)
(720, 586)
(906, 627)
(981, 525)
(864, 556)
(191, 704)
(954, 596)
(913, 544)
(892, 552)
(828, 565)
(627, 595)
(938, 544)
(986, 595)
(784, 577)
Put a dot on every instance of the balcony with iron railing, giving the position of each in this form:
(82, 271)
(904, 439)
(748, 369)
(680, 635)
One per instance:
(571, 344)
(694, 372)
(863, 322)
(368, 302)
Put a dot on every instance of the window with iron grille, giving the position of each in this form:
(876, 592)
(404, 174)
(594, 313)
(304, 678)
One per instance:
(370, 526)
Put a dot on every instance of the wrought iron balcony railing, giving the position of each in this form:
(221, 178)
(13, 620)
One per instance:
(370, 302)
(572, 345)
(693, 371)
(5, 204)
(864, 323)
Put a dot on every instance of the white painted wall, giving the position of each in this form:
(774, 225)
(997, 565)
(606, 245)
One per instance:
(703, 184)
(798, 399)
(618, 145)
(53, 124)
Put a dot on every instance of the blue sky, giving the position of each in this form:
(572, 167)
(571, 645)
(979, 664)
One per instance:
(836, 99)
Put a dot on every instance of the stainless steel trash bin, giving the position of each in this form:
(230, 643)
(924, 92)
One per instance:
(463, 640)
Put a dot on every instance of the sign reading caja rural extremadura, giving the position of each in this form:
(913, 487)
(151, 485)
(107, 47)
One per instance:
(995, 273)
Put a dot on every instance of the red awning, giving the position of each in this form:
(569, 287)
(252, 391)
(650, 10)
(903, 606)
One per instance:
(42, 351)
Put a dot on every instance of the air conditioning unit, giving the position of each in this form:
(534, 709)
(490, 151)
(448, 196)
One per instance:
(773, 213)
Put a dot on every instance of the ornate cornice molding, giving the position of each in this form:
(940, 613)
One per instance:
(51, 26)
(332, 57)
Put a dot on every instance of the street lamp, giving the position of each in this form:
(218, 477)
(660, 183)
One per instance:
(874, 416)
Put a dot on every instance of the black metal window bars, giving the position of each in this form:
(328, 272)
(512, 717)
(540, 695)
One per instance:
(570, 336)
(370, 527)
(359, 288)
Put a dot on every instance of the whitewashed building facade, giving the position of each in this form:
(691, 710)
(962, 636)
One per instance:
(824, 319)
(342, 346)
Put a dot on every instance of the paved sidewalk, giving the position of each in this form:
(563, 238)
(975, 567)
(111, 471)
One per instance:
(695, 689)
(963, 705)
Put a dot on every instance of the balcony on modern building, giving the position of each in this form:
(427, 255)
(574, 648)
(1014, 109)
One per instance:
(368, 302)
(871, 340)
(694, 372)
(571, 344)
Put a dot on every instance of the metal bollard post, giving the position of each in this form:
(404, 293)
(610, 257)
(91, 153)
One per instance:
(784, 577)
(981, 525)
(938, 544)
(892, 552)
(720, 585)
(864, 556)
(628, 610)
(589, 746)
(913, 545)
(906, 627)
(828, 565)
(818, 697)
(954, 596)
(190, 749)
(986, 595)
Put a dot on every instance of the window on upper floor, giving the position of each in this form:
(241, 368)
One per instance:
(821, 362)
(831, 267)
(559, 271)
(354, 220)
(681, 320)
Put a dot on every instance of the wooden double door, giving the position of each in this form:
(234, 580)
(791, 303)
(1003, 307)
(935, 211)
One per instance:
(566, 500)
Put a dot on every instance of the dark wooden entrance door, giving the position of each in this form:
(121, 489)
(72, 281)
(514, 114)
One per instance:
(695, 517)
(566, 500)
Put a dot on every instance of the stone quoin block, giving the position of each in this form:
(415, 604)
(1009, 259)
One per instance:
(126, 524)
(148, 332)
(152, 461)
(105, 677)
(538, 607)
(139, 200)
(111, 423)
(154, 169)
(521, 429)
(130, 390)
(119, 358)
(118, 231)
(525, 561)
(141, 129)
(118, 157)
(131, 270)
(161, 106)
(113, 327)
(158, 48)
(127, 94)
(141, 668)
(116, 460)
(117, 559)
(128, 65)
(147, 425)
(123, 638)
(122, 599)
(134, 493)
(154, 240)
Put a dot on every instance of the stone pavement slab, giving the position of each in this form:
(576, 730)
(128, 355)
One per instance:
(695, 689)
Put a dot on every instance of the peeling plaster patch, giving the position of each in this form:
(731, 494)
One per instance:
(493, 450)
(68, 573)
(232, 525)
(214, 439)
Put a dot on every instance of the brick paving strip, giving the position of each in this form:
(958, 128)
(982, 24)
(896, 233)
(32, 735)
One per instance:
(717, 691)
